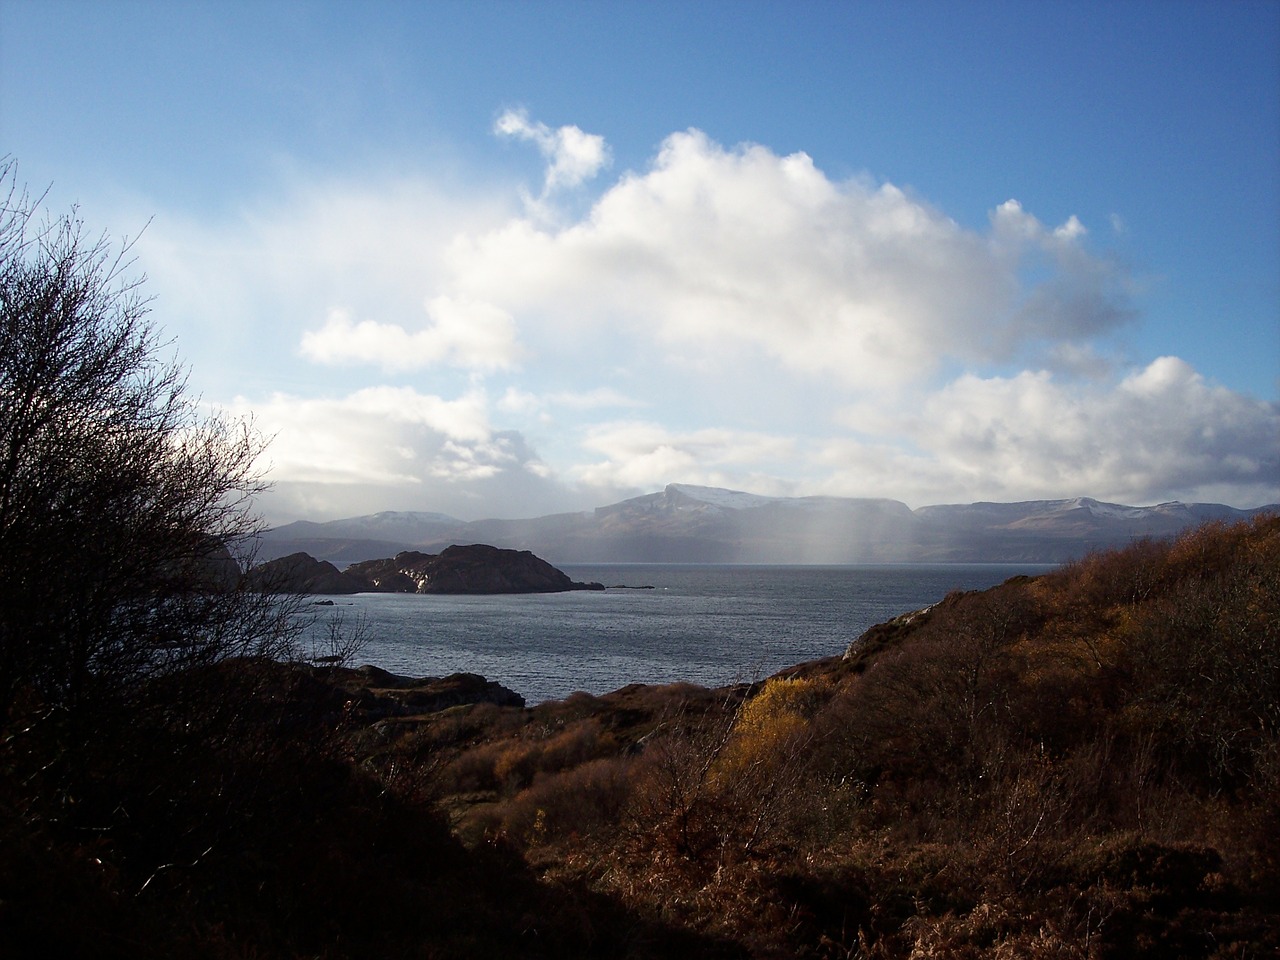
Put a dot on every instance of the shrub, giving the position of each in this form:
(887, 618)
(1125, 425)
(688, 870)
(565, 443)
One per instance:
(770, 724)
(585, 800)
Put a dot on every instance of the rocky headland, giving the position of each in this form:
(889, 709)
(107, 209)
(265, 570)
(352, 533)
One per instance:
(459, 569)
(302, 573)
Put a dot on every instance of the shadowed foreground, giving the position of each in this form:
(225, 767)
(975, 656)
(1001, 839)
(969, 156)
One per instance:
(1083, 764)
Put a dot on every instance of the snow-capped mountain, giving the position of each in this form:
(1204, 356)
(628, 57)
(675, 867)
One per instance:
(357, 538)
(688, 523)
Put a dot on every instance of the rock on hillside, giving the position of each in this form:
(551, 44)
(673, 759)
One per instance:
(377, 694)
(476, 568)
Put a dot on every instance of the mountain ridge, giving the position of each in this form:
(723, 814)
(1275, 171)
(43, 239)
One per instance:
(687, 523)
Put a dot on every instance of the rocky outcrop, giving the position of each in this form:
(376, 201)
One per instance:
(301, 573)
(880, 637)
(392, 695)
(476, 568)
(371, 694)
(331, 694)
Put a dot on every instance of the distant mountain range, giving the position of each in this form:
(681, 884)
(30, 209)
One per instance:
(691, 524)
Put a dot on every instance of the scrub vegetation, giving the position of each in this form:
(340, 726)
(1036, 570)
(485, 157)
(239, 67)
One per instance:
(1079, 765)
(1083, 764)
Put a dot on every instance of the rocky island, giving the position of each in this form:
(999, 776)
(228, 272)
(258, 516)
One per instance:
(459, 569)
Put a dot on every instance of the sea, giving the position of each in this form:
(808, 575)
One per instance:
(705, 624)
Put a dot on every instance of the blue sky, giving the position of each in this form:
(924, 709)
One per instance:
(501, 259)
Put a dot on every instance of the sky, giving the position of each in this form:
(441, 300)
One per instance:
(504, 259)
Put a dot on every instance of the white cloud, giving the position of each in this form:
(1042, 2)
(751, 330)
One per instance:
(278, 268)
(573, 156)
(396, 448)
(595, 399)
(1065, 293)
(853, 282)
(1161, 433)
(782, 332)
(515, 400)
(375, 435)
(644, 455)
(522, 401)
(1073, 229)
(708, 253)
(475, 336)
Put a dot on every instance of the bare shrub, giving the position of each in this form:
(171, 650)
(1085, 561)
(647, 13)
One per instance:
(126, 525)
(1207, 654)
(938, 707)
(676, 810)
(727, 788)
(474, 769)
(586, 800)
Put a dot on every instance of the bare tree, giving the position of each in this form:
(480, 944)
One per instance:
(126, 513)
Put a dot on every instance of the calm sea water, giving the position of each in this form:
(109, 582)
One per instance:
(705, 624)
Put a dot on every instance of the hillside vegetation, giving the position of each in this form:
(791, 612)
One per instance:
(1079, 765)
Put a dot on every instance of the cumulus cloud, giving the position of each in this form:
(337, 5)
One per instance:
(1160, 433)
(1073, 229)
(852, 281)
(276, 271)
(375, 435)
(1066, 293)
(522, 401)
(782, 332)
(709, 252)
